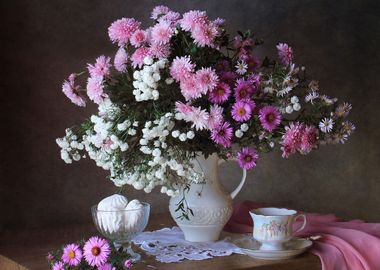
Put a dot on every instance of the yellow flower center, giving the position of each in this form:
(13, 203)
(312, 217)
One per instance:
(71, 254)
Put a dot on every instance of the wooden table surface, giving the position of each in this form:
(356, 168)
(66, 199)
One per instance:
(26, 250)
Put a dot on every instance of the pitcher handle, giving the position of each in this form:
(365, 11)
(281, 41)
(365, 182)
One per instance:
(242, 181)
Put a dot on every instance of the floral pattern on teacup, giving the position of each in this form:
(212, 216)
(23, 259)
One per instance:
(274, 229)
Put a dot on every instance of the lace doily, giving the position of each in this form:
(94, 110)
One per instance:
(169, 245)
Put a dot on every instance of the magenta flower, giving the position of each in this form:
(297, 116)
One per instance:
(101, 68)
(128, 264)
(95, 89)
(220, 93)
(308, 140)
(222, 65)
(159, 51)
(121, 30)
(247, 158)
(242, 110)
(285, 53)
(138, 38)
(49, 257)
(161, 33)
(58, 266)
(106, 266)
(181, 68)
(244, 89)
(121, 60)
(72, 91)
(96, 251)
(222, 134)
(72, 254)
(270, 118)
(138, 56)
(228, 77)
(252, 63)
(216, 117)
(159, 11)
(206, 79)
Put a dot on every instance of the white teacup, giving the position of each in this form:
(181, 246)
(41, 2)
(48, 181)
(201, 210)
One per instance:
(274, 226)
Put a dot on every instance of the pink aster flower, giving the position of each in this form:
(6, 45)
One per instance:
(101, 68)
(106, 266)
(138, 38)
(206, 79)
(192, 19)
(159, 51)
(72, 254)
(222, 134)
(308, 140)
(216, 117)
(291, 140)
(138, 56)
(72, 91)
(159, 11)
(285, 53)
(183, 108)
(199, 118)
(244, 89)
(95, 89)
(128, 264)
(58, 266)
(121, 30)
(241, 111)
(181, 68)
(255, 80)
(247, 158)
(220, 93)
(189, 88)
(205, 34)
(171, 17)
(162, 33)
(270, 118)
(96, 251)
(121, 60)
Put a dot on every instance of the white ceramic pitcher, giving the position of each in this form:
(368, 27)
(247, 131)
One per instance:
(211, 205)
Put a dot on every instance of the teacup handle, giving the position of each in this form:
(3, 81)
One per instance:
(242, 181)
(304, 222)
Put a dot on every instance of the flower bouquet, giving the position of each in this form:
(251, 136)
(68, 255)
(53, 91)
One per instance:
(182, 88)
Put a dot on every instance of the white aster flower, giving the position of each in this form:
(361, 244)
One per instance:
(241, 67)
(311, 96)
(190, 135)
(326, 125)
(169, 81)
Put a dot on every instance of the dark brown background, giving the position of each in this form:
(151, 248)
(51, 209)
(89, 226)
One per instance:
(44, 41)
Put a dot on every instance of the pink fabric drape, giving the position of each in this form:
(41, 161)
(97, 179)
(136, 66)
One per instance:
(345, 245)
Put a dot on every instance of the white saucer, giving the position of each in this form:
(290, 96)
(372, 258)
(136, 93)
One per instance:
(292, 248)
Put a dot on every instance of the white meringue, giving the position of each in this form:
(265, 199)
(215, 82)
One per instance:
(133, 218)
(111, 221)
